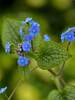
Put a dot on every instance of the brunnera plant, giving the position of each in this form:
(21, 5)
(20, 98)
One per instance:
(23, 39)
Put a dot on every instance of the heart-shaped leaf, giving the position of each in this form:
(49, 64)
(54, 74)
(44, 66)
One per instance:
(50, 54)
(10, 31)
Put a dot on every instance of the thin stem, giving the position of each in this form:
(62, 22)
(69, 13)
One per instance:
(18, 83)
(9, 98)
(68, 45)
(52, 72)
(62, 81)
(59, 82)
(61, 69)
(32, 45)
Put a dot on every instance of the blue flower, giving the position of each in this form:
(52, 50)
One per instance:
(23, 61)
(34, 29)
(28, 37)
(68, 36)
(26, 46)
(3, 90)
(46, 37)
(7, 47)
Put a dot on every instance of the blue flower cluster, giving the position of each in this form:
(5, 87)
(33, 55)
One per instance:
(25, 46)
(33, 30)
(69, 35)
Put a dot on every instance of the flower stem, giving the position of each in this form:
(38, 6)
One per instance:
(52, 72)
(18, 83)
(59, 81)
(32, 45)
(68, 45)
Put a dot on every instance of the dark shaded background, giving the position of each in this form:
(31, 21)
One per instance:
(58, 14)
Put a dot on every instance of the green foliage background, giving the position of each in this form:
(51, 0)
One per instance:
(54, 17)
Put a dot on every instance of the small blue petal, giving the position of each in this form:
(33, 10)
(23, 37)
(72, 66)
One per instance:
(7, 47)
(28, 20)
(26, 46)
(3, 90)
(33, 23)
(28, 37)
(69, 36)
(72, 29)
(23, 61)
(34, 30)
(63, 37)
(46, 37)
(20, 31)
(23, 22)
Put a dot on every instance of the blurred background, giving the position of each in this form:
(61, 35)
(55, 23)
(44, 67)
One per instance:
(54, 16)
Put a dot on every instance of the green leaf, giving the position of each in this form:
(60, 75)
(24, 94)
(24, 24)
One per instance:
(10, 31)
(36, 42)
(50, 54)
(55, 95)
(69, 92)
